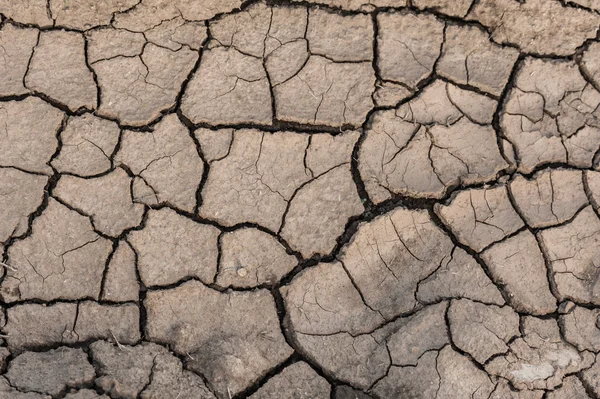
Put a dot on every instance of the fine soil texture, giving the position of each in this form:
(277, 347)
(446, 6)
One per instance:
(300, 199)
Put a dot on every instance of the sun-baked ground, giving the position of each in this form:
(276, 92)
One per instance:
(337, 199)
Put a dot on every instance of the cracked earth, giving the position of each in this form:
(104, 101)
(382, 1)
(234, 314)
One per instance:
(305, 199)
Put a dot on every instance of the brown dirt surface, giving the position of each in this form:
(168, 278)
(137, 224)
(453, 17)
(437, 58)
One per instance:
(300, 199)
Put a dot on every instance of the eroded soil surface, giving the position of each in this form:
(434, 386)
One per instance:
(338, 199)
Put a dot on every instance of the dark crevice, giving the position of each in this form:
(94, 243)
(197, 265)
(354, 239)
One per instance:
(278, 126)
(264, 60)
(105, 271)
(94, 75)
(573, 4)
(142, 294)
(294, 358)
(219, 257)
(497, 114)
(52, 302)
(30, 59)
(205, 169)
(590, 389)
